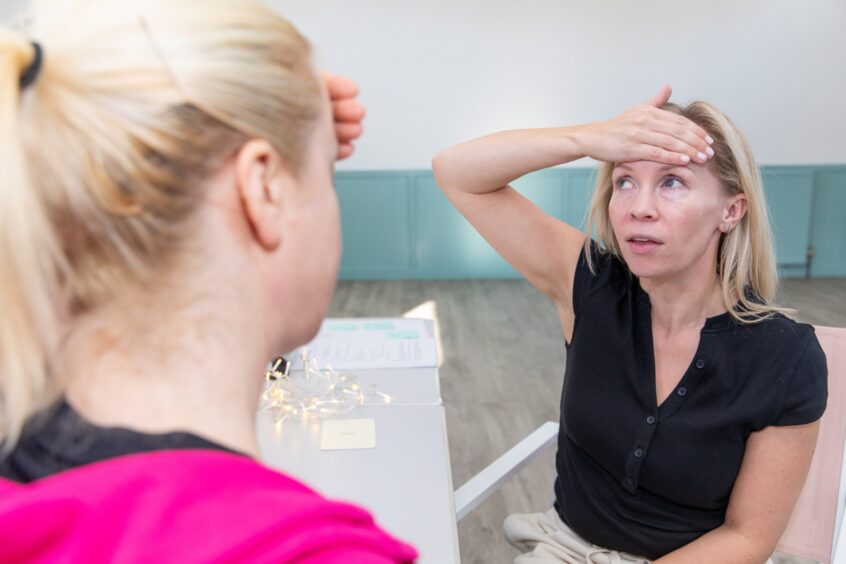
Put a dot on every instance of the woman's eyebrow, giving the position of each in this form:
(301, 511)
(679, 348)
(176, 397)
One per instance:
(662, 168)
(681, 170)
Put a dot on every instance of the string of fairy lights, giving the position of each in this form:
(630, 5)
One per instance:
(312, 393)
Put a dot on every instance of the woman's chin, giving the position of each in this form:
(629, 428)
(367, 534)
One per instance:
(644, 267)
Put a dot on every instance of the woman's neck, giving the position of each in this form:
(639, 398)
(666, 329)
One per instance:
(197, 369)
(685, 301)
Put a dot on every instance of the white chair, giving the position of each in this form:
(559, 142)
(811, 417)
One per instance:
(815, 529)
(483, 484)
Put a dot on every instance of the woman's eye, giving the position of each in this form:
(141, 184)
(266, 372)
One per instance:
(623, 183)
(672, 182)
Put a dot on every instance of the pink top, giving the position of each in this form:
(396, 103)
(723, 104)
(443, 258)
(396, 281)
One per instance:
(185, 506)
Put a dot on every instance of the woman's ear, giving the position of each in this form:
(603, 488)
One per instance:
(734, 211)
(262, 177)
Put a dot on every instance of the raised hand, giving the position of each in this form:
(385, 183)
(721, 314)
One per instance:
(648, 133)
(348, 112)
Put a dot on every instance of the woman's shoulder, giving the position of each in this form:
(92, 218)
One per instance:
(788, 365)
(781, 330)
(779, 339)
(242, 506)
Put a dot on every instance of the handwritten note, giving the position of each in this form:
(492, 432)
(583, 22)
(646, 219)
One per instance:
(348, 434)
(356, 343)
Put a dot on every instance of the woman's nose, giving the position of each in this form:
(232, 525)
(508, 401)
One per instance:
(643, 204)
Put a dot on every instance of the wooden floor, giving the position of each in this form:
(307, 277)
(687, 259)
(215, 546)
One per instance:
(503, 365)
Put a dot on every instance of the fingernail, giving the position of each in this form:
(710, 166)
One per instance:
(685, 159)
(709, 139)
(710, 151)
(701, 156)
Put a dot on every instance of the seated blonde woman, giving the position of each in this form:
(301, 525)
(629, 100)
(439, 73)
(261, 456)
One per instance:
(167, 224)
(691, 402)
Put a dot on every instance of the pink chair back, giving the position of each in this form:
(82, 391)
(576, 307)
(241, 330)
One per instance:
(810, 531)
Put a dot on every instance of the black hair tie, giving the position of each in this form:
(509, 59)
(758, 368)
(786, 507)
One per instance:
(31, 73)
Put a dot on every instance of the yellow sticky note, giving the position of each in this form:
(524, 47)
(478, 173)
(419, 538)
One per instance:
(341, 434)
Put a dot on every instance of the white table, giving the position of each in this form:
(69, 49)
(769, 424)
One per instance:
(405, 482)
(406, 386)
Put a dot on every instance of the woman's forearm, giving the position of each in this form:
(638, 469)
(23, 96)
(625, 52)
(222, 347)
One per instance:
(724, 545)
(490, 162)
(644, 132)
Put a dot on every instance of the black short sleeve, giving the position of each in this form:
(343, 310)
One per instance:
(807, 391)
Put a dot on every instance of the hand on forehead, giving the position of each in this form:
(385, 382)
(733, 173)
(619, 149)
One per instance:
(347, 111)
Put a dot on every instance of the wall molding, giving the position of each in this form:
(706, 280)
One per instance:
(397, 224)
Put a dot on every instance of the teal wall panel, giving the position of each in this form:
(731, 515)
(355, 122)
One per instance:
(580, 184)
(449, 246)
(789, 192)
(446, 243)
(828, 223)
(398, 224)
(375, 217)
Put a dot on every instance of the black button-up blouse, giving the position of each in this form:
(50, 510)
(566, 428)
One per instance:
(647, 479)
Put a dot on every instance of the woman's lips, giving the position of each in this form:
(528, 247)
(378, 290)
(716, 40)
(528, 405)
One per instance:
(642, 245)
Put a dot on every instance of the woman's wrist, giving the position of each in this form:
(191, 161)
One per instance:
(579, 139)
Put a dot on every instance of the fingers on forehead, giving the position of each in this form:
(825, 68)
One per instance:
(341, 87)
(683, 121)
(348, 110)
(346, 131)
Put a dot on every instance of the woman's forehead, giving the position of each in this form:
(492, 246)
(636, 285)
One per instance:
(701, 171)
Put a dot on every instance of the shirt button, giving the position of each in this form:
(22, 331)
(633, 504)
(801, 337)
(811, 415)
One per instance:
(650, 419)
(700, 363)
(682, 391)
(638, 452)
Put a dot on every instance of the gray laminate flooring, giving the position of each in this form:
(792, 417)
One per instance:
(501, 374)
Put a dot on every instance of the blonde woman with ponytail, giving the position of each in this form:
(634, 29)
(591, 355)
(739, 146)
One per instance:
(691, 401)
(167, 224)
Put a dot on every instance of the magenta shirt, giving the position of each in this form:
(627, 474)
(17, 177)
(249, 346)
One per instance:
(185, 506)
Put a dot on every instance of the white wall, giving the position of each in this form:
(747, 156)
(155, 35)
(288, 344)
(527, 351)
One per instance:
(10, 8)
(435, 72)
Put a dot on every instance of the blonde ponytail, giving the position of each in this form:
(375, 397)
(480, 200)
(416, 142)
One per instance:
(137, 105)
(30, 259)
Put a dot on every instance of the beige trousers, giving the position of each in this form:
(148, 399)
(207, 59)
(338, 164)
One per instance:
(544, 538)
